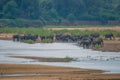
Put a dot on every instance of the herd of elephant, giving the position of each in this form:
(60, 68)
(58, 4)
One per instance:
(86, 41)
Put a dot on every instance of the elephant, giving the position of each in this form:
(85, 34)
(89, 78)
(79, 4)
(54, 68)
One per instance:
(110, 36)
(83, 37)
(97, 41)
(95, 35)
(66, 38)
(42, 37)
(63, 37)
(58, 37)
(50, 37)
(29, 37)
(24, 37)
(85, 42)
(74, 38)
(34, 37)
(16, 37)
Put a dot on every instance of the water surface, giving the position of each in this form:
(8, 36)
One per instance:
(86, 58)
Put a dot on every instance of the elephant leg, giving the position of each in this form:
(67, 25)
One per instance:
(110, 38)
(17, 39)
(88, 46)
(84, 46)
(13, 39)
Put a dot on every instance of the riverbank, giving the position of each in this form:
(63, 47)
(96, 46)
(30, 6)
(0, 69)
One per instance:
(109, 45)
(6, 36)
(42, 72)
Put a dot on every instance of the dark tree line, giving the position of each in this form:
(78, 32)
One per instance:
(59, 10)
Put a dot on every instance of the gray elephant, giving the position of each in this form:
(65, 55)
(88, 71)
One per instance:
(85, 42)
(16, 37)
(97, 41)
(109, 36)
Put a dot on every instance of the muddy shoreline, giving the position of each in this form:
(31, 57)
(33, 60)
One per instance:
(110, 46)
(52, 73)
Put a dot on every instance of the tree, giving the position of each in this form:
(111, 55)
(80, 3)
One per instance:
(29, 9)
(71, 17)
(10, 10)
(58, 10)
(1, 15)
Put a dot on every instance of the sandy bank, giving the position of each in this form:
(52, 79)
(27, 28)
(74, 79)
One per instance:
(53, 73)
(5, 36)
(43, 59)
(117, 28)
(111, 46)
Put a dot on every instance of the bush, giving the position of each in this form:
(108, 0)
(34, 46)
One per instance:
(68, 59)
(28, 41)
(97, 46)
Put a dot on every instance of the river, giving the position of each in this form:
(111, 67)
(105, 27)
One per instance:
(86, 58)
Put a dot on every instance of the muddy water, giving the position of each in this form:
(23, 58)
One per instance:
(86, 58)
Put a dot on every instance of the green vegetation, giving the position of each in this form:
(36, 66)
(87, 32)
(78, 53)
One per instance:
(34, 31)
(68, 59)
(98, 46)
(20, 23)
(26, 13)
(46, 32)
(28, 41)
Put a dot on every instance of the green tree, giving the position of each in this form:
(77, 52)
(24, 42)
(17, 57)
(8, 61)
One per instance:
(71, 17)
(58, 10)
(29, 9)
(10, 10)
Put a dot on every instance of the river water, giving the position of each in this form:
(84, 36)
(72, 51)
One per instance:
(86, 58)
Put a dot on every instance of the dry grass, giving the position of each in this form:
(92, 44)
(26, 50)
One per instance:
(117, 28)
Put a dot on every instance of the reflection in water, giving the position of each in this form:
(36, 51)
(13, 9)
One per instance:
(86, 58)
